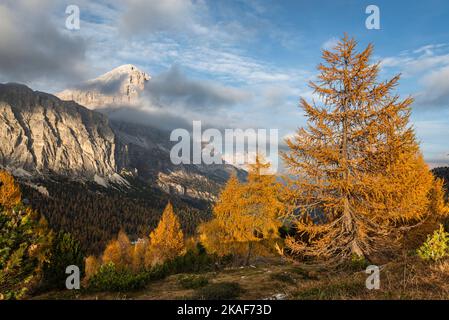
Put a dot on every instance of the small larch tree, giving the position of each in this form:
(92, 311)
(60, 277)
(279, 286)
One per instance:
(167, 240)
(91, 266)
(138, 255)
(220, 235)
(360, 177)
(10, 194)
(118, 251)
(245, 214)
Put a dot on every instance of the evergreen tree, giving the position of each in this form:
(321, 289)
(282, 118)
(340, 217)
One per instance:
(65, 251)
(24, 243)
(360, 177)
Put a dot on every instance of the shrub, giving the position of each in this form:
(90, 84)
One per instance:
(65, 251)
(356, 263)
(25, 242)
(192, 281)
(436, 246)
(219, 291)
(359, 263)
(109, 278)
(282, 277)
(196, 260)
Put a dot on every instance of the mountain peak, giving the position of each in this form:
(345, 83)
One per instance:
(126, 69)
(120, 86)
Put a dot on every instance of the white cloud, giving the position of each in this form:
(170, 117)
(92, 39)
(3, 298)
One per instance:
(144, 16)
(33, 47)
(430, 65)
(421, 60)
(231, 66)
(174, 88)
(430, 48)
(330, 43)
(436, 88)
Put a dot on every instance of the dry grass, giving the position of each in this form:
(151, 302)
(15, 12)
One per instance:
(408, 278)
(404, 278)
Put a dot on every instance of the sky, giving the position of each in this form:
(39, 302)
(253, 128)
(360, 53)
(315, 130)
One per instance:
(233, 63)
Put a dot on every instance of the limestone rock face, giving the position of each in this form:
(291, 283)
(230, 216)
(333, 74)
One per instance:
(148, 154)
(40, 133)
(118, 87)
(143, 149)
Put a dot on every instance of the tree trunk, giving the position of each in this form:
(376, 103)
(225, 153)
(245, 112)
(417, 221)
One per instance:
(248, 256)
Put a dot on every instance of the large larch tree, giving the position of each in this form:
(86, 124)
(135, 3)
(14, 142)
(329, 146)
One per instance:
(359, 175)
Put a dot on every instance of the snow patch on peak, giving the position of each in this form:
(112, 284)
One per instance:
(120, 86)
(126, 69)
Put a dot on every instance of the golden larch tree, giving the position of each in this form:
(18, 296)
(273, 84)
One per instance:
(118, 251)
(138, 255)
(219, 234)
(245, 214)
(167, 240)
(359, 175)
(10, 194)
(91, 266)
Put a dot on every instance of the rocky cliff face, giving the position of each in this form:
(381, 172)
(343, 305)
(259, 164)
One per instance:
(142, 149)
(118, 87)
(40, 133)
(148, 155)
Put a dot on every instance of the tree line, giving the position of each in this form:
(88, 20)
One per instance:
(94, 216)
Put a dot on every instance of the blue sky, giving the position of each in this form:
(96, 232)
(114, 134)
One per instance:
(255, 57)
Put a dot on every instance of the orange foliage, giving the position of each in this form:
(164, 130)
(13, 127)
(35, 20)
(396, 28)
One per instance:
(10, 194)
(165, 243)
(167, 240)
(138, 255)
(118, 251)
(91, 266)
(244, 213)
(360, 177)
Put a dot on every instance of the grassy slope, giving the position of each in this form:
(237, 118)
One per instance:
(407, 278)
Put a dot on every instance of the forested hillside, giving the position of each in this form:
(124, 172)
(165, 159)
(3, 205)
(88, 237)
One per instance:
(443, 173)
(94, 214)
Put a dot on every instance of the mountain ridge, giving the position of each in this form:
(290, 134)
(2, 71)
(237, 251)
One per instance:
(42, 133)
(120, 86)
(147, 147)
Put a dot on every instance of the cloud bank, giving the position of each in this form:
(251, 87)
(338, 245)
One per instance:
(173, 88)
(33, 48)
